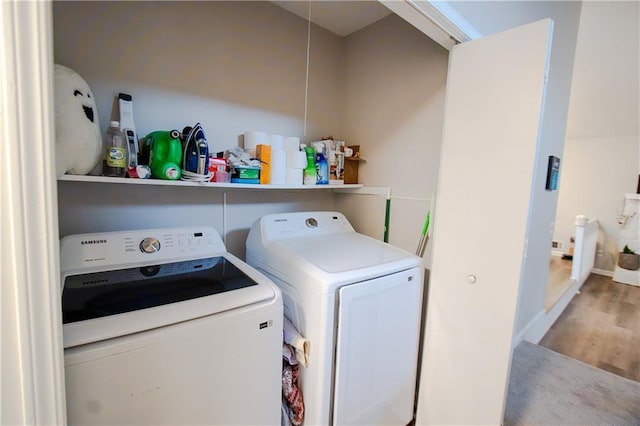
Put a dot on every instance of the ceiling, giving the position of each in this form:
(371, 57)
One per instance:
(340, 17)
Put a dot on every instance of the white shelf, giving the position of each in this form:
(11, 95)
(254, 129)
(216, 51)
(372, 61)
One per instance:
(160, 182)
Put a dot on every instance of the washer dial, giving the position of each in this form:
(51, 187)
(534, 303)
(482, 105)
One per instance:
(149, 245)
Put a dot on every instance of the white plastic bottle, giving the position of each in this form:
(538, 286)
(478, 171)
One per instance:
(115, 151)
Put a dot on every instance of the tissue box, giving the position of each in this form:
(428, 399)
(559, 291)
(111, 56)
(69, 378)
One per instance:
(245, 174)
(218, 170)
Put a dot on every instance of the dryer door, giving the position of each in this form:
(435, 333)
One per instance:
(377, 350)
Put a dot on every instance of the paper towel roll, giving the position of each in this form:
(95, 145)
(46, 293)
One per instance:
(253, 139)
(291, 143)
(276, 141)
(294, 176)
(296, 160)
(278, 166)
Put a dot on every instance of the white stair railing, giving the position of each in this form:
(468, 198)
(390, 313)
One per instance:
(584, 253)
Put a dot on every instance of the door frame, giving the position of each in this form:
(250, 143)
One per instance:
(32, 350)
(437, 19)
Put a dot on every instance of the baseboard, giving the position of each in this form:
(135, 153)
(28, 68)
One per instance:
(528, 330)
(535, 330)
(557, 253)
(604, 272)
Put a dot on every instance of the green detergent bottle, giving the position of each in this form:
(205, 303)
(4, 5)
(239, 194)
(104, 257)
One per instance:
(165, 154)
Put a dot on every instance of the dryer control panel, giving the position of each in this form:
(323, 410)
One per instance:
(303, 224)
(109, 249)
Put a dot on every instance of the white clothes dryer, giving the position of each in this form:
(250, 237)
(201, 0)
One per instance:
(164, 326)
(358, 302)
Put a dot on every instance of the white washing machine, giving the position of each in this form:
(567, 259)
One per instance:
(163, 326)
(358, 302)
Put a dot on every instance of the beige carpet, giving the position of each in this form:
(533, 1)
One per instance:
(548, 388)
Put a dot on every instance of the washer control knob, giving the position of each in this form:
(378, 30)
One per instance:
(149, 245)
(472, 279)
(311, 223)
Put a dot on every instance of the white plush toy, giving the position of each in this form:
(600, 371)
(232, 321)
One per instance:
(78, 138)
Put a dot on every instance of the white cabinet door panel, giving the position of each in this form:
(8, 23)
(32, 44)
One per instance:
(494, 104)
(377, 350)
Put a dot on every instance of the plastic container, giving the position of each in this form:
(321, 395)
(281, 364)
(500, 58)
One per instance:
(322, 165)
(218, 170)
(165, 154)
(115, 159)
(310, 176)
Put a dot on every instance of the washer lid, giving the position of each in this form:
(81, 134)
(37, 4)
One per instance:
(343, 252)
(102, 305)
(100, 294)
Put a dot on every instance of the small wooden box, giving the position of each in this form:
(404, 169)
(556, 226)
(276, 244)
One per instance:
(351, 165)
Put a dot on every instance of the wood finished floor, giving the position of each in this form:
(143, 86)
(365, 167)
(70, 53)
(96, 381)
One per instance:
(559, 280)
(601, 327)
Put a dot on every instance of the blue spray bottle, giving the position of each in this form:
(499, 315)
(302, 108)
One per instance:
(322, 165)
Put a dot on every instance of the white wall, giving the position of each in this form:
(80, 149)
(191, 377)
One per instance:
(490, 17)
(596, 175)
(604, 91)
(233, 66)
(241, 67)
(395, 84)
(601, 160)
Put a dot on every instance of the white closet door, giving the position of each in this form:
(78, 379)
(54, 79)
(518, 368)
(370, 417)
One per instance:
(377, 350)
(494, 104)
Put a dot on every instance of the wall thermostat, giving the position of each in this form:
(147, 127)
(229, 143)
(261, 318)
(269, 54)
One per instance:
(553, 170)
